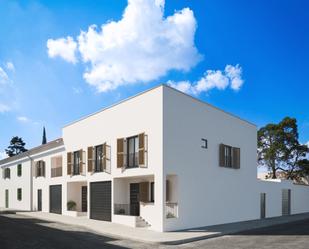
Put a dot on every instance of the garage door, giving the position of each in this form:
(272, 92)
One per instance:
(55, 199)
(101, 201)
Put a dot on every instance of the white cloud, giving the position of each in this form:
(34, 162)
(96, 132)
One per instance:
(4, 108)
(142, 46)
(23, 119)
(4, 78)
(63, 47)
(234, 74)
(231, 76)
(10, 66)
(3, 155)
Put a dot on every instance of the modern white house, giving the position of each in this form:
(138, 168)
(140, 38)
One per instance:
(160, 160)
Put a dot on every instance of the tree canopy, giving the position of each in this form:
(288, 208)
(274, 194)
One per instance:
(280, 150)
(17, 146)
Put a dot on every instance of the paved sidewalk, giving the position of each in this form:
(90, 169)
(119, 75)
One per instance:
(148, 236)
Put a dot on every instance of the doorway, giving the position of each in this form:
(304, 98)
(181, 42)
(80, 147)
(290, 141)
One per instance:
(84, 198)
(39, 199)
(6, 198)
(134, 199)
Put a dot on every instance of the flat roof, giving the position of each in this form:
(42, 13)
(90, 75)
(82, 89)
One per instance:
(151, 89)
(44, 147)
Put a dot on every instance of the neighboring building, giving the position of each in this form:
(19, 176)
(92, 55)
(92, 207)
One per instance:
(161, 159)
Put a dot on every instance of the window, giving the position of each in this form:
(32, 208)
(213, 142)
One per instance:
(132, 149)
(56, 166)
(19, 170)
(98, 158)
(152, 192)
(204, 143)
(76, 162)
(19, 194)
(40, 168)
(7, 173)
(229, 157)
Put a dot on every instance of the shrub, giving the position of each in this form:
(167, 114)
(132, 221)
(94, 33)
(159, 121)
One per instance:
(71, 205)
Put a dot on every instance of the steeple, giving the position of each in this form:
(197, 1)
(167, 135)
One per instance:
(44, 140)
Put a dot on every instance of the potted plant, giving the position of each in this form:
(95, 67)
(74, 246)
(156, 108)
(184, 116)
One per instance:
(71, 205)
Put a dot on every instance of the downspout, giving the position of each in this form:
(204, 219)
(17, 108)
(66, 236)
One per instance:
(31, 182)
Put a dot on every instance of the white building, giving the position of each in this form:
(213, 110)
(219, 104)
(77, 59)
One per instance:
(161, 159)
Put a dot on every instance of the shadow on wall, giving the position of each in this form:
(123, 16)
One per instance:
(22, 232)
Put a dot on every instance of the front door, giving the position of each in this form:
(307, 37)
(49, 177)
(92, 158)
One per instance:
(55, 199)
(134, 199)
(84, 198)
(7, 198)
(39, 199)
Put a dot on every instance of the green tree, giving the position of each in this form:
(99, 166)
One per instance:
(17, 146)
(279, 149)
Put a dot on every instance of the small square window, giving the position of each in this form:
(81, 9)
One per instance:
(204, 143)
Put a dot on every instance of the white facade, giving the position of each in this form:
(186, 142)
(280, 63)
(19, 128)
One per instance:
(183, 183)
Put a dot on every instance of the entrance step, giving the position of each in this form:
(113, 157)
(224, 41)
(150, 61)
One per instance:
(141, 222)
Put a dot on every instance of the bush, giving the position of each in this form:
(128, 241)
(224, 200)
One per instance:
(71, 205)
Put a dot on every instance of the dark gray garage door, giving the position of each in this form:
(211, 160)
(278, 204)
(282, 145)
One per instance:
(101, 201)
(55, 199)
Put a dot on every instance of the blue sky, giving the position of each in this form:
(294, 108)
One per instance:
(266, 44)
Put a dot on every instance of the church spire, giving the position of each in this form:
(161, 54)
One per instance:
(44, 140)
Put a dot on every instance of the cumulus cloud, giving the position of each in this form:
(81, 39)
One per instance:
(63, 47)
(10, 66)
(142, 46)
(230, 77)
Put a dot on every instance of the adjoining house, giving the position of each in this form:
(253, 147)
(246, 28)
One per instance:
(162, 160)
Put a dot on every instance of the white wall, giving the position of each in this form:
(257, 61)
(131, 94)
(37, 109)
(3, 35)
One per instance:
(208, 194)
(273, 190)
(131, 117)
(43, 183)
(15, 182)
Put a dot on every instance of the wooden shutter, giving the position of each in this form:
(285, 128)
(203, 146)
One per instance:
(221, 155)
(43, 168)
(142, 150)
(69, 163)
(81, 161)
(120, 152)
(167, 191)
(104, 156)
(90, 153)
(236, 158)
(144, 191)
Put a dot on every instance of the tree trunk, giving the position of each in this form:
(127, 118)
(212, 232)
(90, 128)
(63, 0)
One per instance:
(274, 176)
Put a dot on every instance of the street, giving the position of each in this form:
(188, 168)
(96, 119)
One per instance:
(17, 231)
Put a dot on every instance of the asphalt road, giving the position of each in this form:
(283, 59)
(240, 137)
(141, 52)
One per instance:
(18, 231)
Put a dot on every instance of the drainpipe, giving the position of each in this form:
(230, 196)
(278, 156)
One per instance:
(31, 182)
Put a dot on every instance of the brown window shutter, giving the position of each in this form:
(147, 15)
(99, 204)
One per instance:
(167, 191)
(221, 155)
(141, 150)
(236, 158)
(144, 191)
(81, 161)
(69, 163)
(90, 158)
(120, 152)
(104, 156)
(43, 168)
